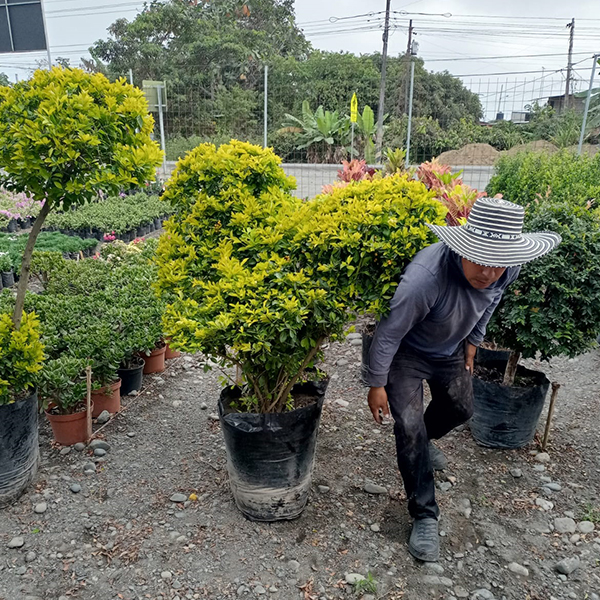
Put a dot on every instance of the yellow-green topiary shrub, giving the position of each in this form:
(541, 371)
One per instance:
(254, 277)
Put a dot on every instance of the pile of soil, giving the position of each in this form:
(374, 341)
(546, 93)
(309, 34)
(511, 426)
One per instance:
(589, 149)
(537, 146)
(472, 154)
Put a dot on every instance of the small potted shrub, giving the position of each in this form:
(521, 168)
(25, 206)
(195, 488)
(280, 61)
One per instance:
(259, 280)
(551, 310)
(6, 270)
(21, 356)
(63, 390)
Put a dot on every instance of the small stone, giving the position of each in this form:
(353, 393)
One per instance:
(94, 444)
(437, 580)
(99, 452)
(434, 567)
(178, 498)
(31, 556)
(444, 486)
(565, 525)
(75, 488)
(375, 527)
(342, 403)
(259, 589)
(204, 406)
(89, 467)
(324, 489)
(353, 578)
(133, 393)
(372, 488)
(545, 479)
(516, 473)
(21, 570)
(586, 527)
(539, 468)
(544, 504)
(79, 446)
(166, 575)
(465, 507)
(569, 513)
(176, 585)
(40, 508)
(482, 594)
(542, 457)
(356, 342)
(567, 565)
(131, 434)
(354, 336)
(104, 417)
(177, 403)
(490, 543)
(273, 589)
(518, 569)
(16, 542)
(460, 592)
(342, 362)
(575, 538)
(294, 565)
(213, 417)
(66, 450)
(555, 487)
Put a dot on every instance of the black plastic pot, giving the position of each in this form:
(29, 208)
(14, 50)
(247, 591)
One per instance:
(507, 416)
(8, 279)
(367, 340)
(157, 223)
(270, 457)
(1, 284)
(19, 451)
(12, 226)
(131, 379)
(139, 232)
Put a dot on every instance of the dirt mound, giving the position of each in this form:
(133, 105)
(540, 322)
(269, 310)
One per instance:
(471, 154)
(588, 149)
(537, 146)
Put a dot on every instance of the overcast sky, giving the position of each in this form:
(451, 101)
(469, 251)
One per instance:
(468, 31)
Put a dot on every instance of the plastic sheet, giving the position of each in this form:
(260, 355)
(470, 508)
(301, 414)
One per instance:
(507, 417)
(19, 450)
(270, 457)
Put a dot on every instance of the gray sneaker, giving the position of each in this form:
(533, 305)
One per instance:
(437, 458)
(424, 542)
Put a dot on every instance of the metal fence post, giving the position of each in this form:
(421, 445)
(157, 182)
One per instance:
(587, 105)
(266, 107)
(410, 106)
(162, 129)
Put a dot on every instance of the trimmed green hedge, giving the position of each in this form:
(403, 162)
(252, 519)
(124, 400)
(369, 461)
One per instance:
(563, 176)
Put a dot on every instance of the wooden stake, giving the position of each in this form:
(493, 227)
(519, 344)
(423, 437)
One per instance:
(88, 376)
(555, 388)
(511, 368)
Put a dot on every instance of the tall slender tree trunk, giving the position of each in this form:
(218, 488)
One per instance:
(26, 263)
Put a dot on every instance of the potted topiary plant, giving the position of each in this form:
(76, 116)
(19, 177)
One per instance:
(257, 279)
(63, 389)
(21, 356)
(6, 270)
(549, 311)
(65, 135)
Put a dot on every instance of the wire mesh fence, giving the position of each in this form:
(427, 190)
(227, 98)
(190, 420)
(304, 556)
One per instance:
(467, 123)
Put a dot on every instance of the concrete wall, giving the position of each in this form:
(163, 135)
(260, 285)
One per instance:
(311, 178)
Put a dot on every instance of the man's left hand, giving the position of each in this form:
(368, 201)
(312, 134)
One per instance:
(470, 351)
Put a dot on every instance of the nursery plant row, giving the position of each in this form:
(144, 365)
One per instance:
(123, 217)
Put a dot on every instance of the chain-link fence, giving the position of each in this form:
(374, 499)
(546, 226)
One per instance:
(468, 123)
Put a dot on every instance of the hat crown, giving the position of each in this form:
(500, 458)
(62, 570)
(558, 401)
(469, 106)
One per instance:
(496, 218)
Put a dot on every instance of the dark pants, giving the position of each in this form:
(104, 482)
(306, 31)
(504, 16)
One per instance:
(451, 405)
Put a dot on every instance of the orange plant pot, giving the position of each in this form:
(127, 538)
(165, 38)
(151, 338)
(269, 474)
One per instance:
(107, 398)
(155, 363)
(170, 353)
(69, 429)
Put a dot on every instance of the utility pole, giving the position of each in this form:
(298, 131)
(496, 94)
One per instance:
(571, 26)
(408, 62)
(386, 31)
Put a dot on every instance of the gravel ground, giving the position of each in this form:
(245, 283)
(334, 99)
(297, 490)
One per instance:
(514, 525)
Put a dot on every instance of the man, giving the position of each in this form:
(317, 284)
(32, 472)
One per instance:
(438, 317)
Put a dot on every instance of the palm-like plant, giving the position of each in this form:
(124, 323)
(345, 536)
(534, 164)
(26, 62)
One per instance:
(322, 133)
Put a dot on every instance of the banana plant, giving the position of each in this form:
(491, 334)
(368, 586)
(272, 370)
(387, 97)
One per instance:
(366, 132)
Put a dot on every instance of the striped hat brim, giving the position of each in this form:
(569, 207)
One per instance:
(496, 252)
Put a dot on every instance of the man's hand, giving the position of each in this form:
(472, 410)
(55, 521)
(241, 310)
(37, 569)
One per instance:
(378, 401)
(470, 351)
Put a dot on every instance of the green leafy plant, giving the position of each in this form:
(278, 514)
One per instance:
(21, 357)
(64, 135)
(6, 264)
(551, 308)
(62, 384)
(367, 585)
(255, 278)
(394, 160)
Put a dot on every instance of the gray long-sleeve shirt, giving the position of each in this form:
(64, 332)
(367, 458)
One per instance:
(434, 310)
